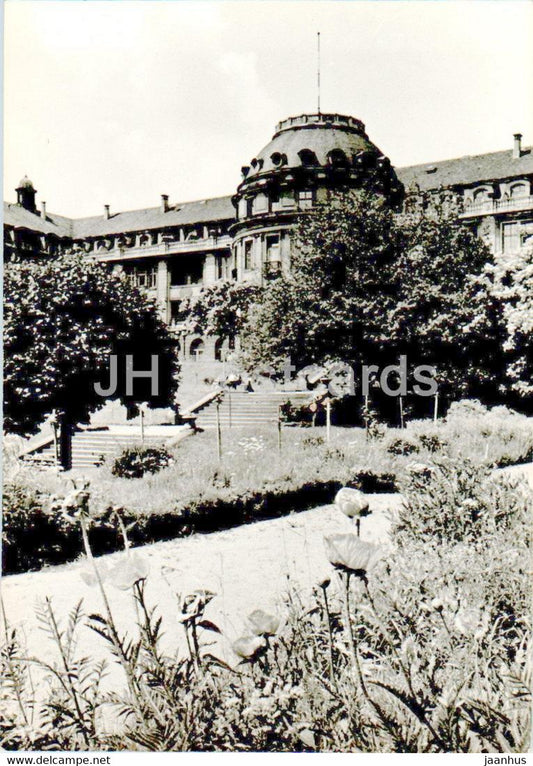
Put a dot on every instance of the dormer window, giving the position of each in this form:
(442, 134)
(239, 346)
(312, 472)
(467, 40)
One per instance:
(337, 158)
(278, 159)
(307, 157)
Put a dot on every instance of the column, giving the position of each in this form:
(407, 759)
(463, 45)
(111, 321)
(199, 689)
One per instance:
(162, 290)
(210, 275)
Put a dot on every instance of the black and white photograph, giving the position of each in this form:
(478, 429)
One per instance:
(268, 378)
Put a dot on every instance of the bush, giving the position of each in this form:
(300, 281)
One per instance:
(296, 413)
(458, 501)
(371, 482)
(134, 462)
(32, 535)
(401, 445)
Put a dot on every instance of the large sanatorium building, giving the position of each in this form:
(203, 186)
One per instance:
(174, 249)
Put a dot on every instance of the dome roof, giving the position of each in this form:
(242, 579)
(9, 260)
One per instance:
(25, 183)
(312, 139)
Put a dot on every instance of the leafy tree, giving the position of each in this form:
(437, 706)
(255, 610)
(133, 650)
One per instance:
(444, 315)
(63, 319)
(368, 284)
(510, 282)
(219, 309)
(342, 286)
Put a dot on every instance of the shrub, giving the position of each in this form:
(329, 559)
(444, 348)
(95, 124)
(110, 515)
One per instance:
(33, 535)
(296, 413)
(432, 441)
(371, 482)
(313, 441)
(134, 462)
(401, 445)
(457, 500)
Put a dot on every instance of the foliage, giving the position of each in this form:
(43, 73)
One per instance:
(423, 647)
(371, 482)
(134, 462)
(401, 445)
(63, 319)
(510, 281)
(32, 535)
(219, 309)
(368, 285)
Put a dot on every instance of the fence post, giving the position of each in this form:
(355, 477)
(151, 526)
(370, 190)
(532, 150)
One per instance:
(436, 408)
(402, 425)
(328, 420)
(219, 432)
(279, 428)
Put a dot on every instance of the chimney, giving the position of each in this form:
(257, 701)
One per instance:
(164, 203)
(107, 214)
(43, 210)
(517, 146)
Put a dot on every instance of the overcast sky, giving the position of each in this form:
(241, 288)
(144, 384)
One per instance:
(118, 102)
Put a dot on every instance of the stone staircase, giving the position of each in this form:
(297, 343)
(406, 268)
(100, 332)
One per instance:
(239, 409)
(90, 447)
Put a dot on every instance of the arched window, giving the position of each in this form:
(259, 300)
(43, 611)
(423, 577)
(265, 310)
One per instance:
(278, 159)
(196, 349)
(519, 190)
(337, 158)
(307, 157)
(219, 349)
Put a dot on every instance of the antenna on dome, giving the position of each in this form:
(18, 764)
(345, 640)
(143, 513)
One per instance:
(318, 67)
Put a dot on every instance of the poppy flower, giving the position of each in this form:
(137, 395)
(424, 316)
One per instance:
(352, 503)
(193, 605)
(263, 623)
(88, 574)
(129, 570)
(349, 553)
(249, 647)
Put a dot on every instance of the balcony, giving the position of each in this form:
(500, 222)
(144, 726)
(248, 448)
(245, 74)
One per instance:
(210, 244)
(497, 206)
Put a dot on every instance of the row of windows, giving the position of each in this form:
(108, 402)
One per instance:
(263, 204)
(272, 251)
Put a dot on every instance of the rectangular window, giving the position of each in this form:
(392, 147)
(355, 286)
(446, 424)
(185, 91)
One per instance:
(176, 315)
(511, 237)
(248, 254)
(305, 200)
(273, 249)
(186, 270)
(144, 277)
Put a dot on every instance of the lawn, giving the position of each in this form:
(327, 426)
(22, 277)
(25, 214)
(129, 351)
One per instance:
(258, 477)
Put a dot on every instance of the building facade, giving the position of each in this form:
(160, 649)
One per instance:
(174, 250)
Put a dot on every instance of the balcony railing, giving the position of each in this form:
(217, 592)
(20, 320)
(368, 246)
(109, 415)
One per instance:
(209, 244)
(491, 206)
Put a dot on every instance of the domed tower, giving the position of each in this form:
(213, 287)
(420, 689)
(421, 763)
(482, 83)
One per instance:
(307, 157)
(26, 194)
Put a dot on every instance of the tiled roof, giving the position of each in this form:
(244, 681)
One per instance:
(19, 217)
(467, 170)
(217, 209)
(458, 172)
